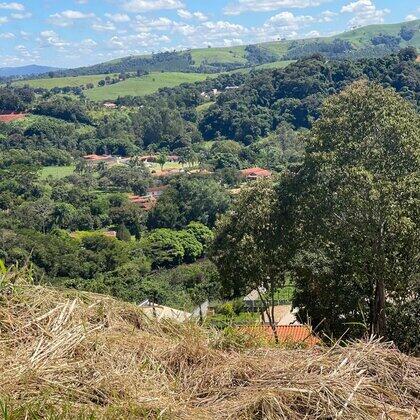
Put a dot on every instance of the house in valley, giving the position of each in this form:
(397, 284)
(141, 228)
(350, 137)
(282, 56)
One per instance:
(255, 173)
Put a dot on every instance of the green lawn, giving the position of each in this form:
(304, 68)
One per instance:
(56, 172)
(145, 85)
(65, 81)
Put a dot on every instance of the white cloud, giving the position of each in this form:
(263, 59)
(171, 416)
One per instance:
(89, 43)
(365, 13)
(200, 16)
(12, 6)
(327, 16)
(3, 19)
(139, 6)
(26, 15)
(241, 6)
(7, 35)
(129, 44)
(67, 17)
(186, 14)
(143, 24)
(47, 34)
(118, 17)
(51, 39)
(104, 27)
(23, 51)
(409, 18)
(312, 34)
(288, 19)
(282, 25)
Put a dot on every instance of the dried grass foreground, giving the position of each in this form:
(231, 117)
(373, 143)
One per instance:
(79, 355)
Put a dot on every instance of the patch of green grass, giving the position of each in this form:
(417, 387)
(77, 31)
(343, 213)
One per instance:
(56, 172)
(275, 65)
(145, 85)
(219, 55)
(204, 107)
(207, 144)
(65, 81)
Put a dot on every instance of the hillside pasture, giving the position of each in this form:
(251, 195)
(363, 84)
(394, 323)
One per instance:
(53, 82)
(56, 172)
(219, 55)
(145, 85)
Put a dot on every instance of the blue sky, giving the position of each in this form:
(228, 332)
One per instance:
(71, 33)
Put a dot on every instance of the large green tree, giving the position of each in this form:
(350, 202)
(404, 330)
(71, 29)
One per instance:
(356, 210)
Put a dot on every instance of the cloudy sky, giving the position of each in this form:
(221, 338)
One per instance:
(70, 33)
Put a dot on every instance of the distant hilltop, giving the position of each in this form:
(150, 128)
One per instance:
(30, 70)
(364, 42)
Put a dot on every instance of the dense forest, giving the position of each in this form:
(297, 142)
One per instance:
(291, 121)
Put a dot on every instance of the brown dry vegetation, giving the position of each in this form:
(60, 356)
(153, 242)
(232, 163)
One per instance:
(77, 355)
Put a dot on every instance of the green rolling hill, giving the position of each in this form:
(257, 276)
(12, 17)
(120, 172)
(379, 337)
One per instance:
(173, 68)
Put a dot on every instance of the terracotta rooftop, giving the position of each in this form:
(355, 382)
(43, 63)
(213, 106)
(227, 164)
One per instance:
(256, 172)
(145, 202)
(96, 157)
(287, 333)
(11, 117)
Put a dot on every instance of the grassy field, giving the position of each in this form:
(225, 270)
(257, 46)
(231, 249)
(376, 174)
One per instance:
(65, 81)
(56, 172)
(275, 65)
(140, 86)
(219, 55)
(67, 355)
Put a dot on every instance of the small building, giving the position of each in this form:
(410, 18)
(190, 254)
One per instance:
(159, 312)
(147, 203)
(110, 105)
(255, 173)
(148, 158)
(173, 158)
(98, 158)
(232, 87)
(156, 192)
(288, 334)
(110, 233)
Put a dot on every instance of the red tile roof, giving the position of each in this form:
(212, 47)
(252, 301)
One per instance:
(256, 172)
(96, 157)
(146, 203)
(11, 117)
(288, 333)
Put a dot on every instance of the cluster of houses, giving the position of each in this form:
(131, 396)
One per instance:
(288, 328)
(248, 173)
(114, 160)
(148, 201)
(108, 159)
(216, 92)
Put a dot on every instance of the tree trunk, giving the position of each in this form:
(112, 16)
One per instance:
(379, 321)
(269, 311)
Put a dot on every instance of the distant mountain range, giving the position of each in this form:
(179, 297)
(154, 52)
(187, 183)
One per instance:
(30, 70)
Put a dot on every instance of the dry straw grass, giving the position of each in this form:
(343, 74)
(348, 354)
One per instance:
(77, 355)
